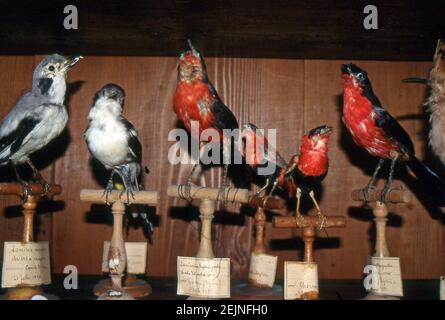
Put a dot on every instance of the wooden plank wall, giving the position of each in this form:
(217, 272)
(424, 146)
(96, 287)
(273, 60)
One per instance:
(290, 95)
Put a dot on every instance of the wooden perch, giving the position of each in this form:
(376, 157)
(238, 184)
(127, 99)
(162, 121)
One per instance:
(268, 203)
(35, 189)
(313, 221)
(197, 192)
(97, 196)
(393, 196)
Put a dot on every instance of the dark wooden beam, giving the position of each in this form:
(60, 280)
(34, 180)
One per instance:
(316, 29)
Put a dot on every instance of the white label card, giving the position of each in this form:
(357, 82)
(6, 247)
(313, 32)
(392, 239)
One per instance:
(203, 277)
(389, 276)
(136, 257)
(300, 280)
(263, 268)
(26, 264)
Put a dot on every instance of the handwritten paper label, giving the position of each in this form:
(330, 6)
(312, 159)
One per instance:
(203, 277)
(389, 276)
(26, 264)
(442, 288)
(300, 280)
(136, 257)
(263, 268)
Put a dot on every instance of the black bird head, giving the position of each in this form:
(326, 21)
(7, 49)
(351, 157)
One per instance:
(191, 64)
(54, 66)
(110, 93)
(353, 75)
(320, 131)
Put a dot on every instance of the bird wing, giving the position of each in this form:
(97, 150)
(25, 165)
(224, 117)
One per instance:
(24, 129)
(393, 129)
(133, 142)
(10, 143)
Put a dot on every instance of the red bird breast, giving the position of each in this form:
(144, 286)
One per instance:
(192, 102)
(358, 116)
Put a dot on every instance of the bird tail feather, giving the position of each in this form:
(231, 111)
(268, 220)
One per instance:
(434, 184)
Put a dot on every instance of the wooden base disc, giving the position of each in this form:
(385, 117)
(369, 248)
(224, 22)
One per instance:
(371, 296)
(26, 293)
(124, 296)
(135, 287)
(245, 291)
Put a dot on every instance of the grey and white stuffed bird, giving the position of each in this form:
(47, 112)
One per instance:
(113, 141)
(38, 117)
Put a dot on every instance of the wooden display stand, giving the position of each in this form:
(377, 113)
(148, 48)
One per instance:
(380, 212)
(117, 258)
(208, 196)
(309, 224)
(36, 190)
(253, 290)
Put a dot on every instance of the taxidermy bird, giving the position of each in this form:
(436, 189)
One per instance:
(113, 141)
(38, 117)
(304, 172)
(260, 154)
(196, 99)
(375, 130)
(309, 168)
(436, 100)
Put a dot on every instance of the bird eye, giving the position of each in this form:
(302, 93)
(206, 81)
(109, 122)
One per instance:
(51, 68)
(360, 77)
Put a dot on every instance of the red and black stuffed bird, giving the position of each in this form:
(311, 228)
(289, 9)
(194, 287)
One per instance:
(196, 99)
(375, 130)
(311, 167)
(302, 174)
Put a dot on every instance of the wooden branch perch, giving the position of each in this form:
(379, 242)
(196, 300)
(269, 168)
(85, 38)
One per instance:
(312, 221)
(197, 192)
(267, 203)
(36, 189)
(97, 196)
(393, 196)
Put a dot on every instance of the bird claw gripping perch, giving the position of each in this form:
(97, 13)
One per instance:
(26, 191)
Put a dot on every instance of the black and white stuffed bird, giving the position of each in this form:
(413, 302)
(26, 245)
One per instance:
(113, 141)
(38, 117)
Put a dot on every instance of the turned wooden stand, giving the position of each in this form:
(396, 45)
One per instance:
(253, 290)
(117, 258)
(309, 225)
(380, 212)
(208, 197)
(25, 292)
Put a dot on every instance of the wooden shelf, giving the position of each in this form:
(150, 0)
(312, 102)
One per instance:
(314, 29)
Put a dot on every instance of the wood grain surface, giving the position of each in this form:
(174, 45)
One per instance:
(291, 96)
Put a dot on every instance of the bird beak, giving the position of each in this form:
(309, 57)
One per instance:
(71, 62)
(415, 80)
(113, 96)
(192, 48)
(326, 130)
(344, 69)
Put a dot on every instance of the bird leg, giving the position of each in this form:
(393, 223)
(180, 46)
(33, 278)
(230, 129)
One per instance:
(322, 217)
(263, 188)
(371, 183)
(38, 177)
(26, 191)
(109, 187)
(298, 216)
(388, 184)
(222, 190)
(186, 189)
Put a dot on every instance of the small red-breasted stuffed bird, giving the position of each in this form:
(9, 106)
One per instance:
(311, 167)
(196, 99)
(303, 173)
(375, 130)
